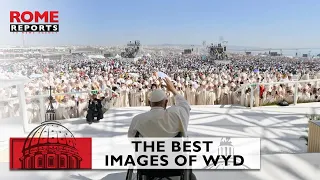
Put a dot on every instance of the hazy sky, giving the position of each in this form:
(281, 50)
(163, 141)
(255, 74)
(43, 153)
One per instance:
(257, 23)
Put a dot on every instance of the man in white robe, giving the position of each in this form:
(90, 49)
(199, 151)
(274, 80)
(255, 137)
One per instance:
(33, 111)
(190, 94)
(116, 101)
(83, 105)
(256, 95)
(211, 95)
(140, 96)
(162, 122)
(170, 98)
(124, 96)
(201, 94)
(147, 96)
(217, 88)
(247, 98)
(305, 95)
(289, 97)
(180, 91)
(236, 97)
(225, 94)
(106, 102)
(132, 94)
(64, 110)
(233, 94)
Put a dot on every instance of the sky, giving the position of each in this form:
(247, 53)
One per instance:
(250, 23)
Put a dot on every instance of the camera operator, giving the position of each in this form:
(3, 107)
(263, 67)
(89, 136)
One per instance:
(94, 109)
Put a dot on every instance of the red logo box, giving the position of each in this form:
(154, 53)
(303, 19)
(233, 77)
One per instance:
(50, 146)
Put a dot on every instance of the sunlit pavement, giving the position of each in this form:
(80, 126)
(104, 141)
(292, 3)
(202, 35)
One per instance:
(279, 128)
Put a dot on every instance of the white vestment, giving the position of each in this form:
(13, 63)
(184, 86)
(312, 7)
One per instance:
(225, 96)
(211, 97)
(190, 95)
(124, 96)
(139, 98)
(160, 122)
(201, 96)
(170, 98)
(218, 95)
(132, 99)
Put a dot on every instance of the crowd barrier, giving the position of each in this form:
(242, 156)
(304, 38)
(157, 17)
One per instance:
(255, 90)
(36, 105)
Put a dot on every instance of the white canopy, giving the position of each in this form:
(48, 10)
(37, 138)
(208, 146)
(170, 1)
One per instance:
(117, 56)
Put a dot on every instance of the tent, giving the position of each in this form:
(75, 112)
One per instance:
(117, 56)
(148, 55)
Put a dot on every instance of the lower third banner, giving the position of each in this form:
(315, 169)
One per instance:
(50, 146)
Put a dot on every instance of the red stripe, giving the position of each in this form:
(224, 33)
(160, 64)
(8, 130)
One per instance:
(50, 153)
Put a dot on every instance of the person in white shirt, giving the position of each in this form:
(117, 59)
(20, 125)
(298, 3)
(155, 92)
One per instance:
(159, 121)
(162, 122)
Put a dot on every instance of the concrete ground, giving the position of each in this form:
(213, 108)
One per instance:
(283, 152)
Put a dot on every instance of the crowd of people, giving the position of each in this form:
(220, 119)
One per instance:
(122, 83)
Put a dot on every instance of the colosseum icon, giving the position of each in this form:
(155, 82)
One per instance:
(50, 146)
(226, 148)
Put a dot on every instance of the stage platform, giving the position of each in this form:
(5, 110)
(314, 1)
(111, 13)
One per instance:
(280, 128)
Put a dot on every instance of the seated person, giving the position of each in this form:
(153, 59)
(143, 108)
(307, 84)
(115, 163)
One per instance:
(94, 109)
(166, 122)
(162, 122)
